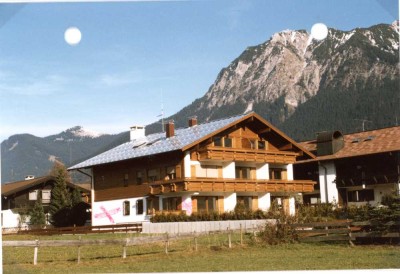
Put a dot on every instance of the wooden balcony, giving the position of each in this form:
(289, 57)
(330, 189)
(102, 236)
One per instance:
(252, 155)
(230, 185)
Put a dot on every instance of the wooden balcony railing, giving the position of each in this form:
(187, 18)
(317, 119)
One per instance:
(231, 185)
(254, 155)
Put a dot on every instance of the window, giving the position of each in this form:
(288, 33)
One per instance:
(275, 174)
(227, 142)
(139, 207)
(247, 201)
(139, 177)
(206, 204)
(33, 195)
(152, 175)
(242, 172)
(217, 141)
(261, 145)
(364, 195)
(46, 195)
(126, 208)
(172, 203)
(171, 173)
(204, 171)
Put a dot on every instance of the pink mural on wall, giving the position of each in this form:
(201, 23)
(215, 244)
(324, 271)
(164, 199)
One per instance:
(187, 205)
(107, 213)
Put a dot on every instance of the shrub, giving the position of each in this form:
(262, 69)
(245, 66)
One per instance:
(277, 233)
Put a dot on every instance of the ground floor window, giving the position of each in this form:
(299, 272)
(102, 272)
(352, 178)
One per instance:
(363, 195)
(126, 208)
(247, 201)
(139, 207)
(153, 205)
(172, 203)
(206, 204)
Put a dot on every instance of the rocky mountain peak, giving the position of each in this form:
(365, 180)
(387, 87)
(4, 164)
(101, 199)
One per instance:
(284, 73)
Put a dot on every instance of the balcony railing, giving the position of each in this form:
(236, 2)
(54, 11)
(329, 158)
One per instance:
(257, 155)
(231, 185)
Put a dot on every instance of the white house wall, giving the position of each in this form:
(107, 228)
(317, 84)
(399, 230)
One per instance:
(289, 169)
(329, 185)
(264, 201)
(230, 202)
(111, 212)
(10, 219)
(186, 165)
(379, 192)
(262, 171)
(228, 170)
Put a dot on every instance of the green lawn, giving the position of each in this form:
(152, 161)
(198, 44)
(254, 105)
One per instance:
(213, 255)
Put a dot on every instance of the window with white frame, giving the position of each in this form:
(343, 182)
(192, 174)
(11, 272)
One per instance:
(126, 208)
(46, 195)
(33, 195)
(139, 207)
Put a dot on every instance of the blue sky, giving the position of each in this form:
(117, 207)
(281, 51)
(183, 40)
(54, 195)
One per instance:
(135, 55)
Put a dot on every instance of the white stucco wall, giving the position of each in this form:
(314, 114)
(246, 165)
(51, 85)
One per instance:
(264, 201)
(228, 170)
(262, 172)
(289, 168)
(292, 206)
(187, 204)
(186, 165)
(329, 185)
(230, 201)
(10, 219)
(111, 212)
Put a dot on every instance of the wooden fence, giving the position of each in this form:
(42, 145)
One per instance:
(124, 243)
(324, 232)
(346, 231)
(135, 227)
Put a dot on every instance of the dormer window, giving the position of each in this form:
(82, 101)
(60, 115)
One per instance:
(222, 141)
(227, 142)
(261, 145)
(217, 141)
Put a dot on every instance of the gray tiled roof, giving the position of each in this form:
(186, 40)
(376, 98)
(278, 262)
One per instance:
(158, 143)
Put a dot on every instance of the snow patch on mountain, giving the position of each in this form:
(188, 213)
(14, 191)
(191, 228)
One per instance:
(81, 132)
(13, 146)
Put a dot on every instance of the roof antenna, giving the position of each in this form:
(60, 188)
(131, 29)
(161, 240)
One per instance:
(363, 122)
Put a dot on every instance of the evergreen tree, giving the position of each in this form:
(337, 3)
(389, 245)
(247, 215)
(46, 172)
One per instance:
(60, 196)
(76, 197)
(37, 216)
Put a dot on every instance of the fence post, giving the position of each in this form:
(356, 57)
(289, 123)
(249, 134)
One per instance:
(79, 250)
(195, 241)
(241, 235)
(124, 249)
(166, 244)
(35, 252)
(229, 239)
(349, 229)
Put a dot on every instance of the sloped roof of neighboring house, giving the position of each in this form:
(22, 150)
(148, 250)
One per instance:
(362, 143)
(11, 188)
(183, 139)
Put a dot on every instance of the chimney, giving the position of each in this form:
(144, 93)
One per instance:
(192, 121)
(137, 132)
(170, 128)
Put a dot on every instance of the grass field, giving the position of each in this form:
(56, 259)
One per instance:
(213, 255)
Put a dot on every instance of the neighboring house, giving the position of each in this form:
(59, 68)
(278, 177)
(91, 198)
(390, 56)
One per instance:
(204, 167)
(18, 198)
(353, 169)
